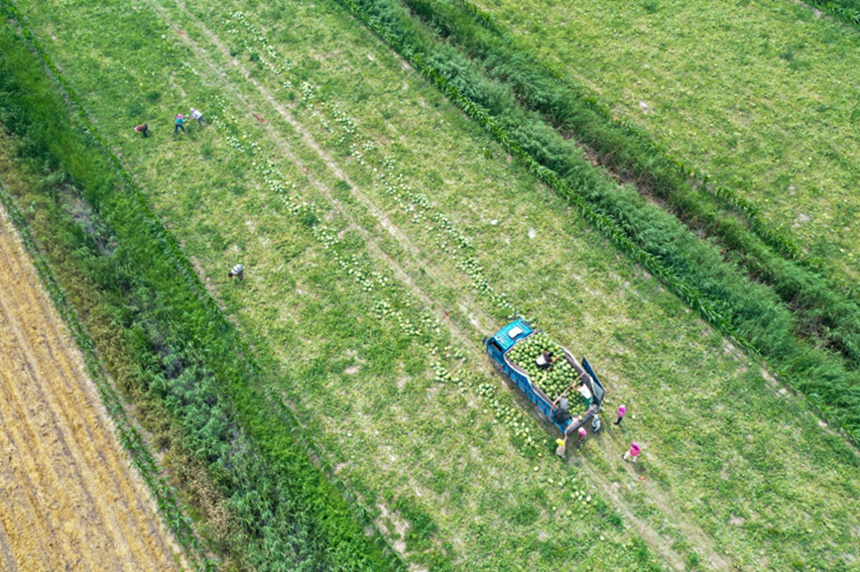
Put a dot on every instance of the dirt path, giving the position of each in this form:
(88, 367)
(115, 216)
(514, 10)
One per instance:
(69, 499)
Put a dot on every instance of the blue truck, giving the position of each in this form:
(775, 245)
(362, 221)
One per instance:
(518, 331)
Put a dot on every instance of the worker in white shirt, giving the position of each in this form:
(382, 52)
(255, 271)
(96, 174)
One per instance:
(238, 271)
(586, 393)
(195, 114)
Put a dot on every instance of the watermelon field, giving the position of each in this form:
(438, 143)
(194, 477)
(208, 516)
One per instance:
(764, 100)
(401, 178)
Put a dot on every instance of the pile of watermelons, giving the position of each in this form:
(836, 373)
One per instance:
(552, 381)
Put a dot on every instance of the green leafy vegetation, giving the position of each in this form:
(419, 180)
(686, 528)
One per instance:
(366, 318)
(763, 105)
(182, 350)
(846, 10)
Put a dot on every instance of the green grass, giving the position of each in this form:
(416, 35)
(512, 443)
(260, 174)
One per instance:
(182, 364)
(687, 266)
(732, 467)
(757, 95)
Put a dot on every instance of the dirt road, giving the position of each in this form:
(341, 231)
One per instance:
(68, 499)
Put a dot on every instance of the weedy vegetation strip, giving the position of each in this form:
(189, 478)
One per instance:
(825, 311)
(694, 270)
(845, 10)
(186, 353)
(15, 57)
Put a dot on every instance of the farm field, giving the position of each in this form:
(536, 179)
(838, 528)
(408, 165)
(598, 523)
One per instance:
(762, 96)
(383, 237)
(70, 499)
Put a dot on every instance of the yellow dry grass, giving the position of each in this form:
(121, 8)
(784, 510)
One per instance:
(68, 498)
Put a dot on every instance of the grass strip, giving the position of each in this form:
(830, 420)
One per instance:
(291, 513)
(846, 10)
(826, 311)
(693, 270)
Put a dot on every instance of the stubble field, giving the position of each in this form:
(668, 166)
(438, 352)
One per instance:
(70, 500)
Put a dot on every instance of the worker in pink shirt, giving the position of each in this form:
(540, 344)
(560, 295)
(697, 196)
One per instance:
(633, 454)
(621, 411)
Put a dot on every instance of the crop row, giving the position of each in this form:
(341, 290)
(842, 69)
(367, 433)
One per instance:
(691, 269)
(193, 360)
(387, 301)
(382, 294)
(451, 242)
(825, 309)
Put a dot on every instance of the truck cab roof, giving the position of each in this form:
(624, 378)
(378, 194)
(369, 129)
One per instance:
(508, 336)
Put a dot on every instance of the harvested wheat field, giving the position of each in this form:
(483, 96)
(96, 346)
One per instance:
(69, 499)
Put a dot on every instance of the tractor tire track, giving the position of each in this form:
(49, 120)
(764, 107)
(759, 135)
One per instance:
(384, 221)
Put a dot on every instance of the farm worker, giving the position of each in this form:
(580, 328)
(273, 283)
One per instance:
(238, 271)
(562, 444)
(583, 433)
(195, 114)
(586, 393)
(545, 360)
(560, 414)
(621, 411)
(633, 454)
(178, 124)
(142, 128)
